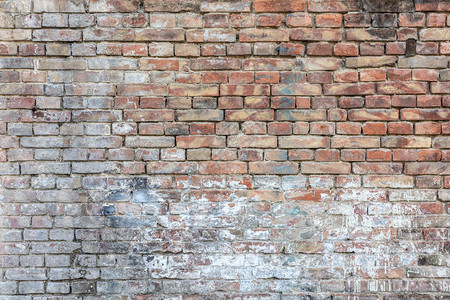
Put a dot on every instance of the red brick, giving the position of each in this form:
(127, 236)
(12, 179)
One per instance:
(400, 128)
(300, 155)
(353, 155)
(202, 128)
(135, 50)
(357, 20)
(327, 155)
(264, 35)
(399, 75)
(267, 123)
(425, 75)
(345, 76)
(321, 49)
(266, 77)
(256, 102)
(231, 102)
(372, 75)
(279, 128)
(374, 128)
(149, 115)
(21, 102)
(200, 141)
(379, 155)
(349, 89)
(316, 34)
(241, 77)
(351, 102)
(216, 20)
(429, 155)
(428, 101)
(412, 19)
(404, 101)
(334, 6)
(378, 101)
(346, 49)
(279, 5)
(244, 90)
(213, 50)
(436, 20)
(328, 20)
(298, 20)
(428, 128)
(348, 128)
(271, 20)
(325, 168)
(377, 168)
(214, 77)
(396, 48)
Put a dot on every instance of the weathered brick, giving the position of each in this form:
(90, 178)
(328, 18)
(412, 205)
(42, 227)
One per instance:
(303, 142)
(298, 20)
(430, 62)
(200, 142)
(377, 168)
(108, 6)
(368, 62)
(425, 114)
(406, 142)
(152, 135)
(62, 35)
(370, 35)
(333, 6)
(222, 168)
(170, 6)
(278, 6)
(298, 89)
(211, 35)
(316, 34)
(252, 141)
(372, 115)
(355, 142)
(325, 168)
(58, 6)
(264, 35)
(105, 34)
(301, 115)
(349, 89)
(150, 142)
(159, 35)
(149, 115)
(284, 168)
(388, 6)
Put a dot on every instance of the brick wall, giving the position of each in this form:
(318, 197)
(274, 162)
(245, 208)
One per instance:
(185, 149)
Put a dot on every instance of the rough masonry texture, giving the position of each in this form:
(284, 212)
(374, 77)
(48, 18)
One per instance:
(185, 149)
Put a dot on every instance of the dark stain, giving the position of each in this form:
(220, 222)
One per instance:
(135, 260)
(428, 260)
(140, 183)
(388, 5)
(37, 113)
(384, 20)
(357, 20)
(118, 195)
(385, 34)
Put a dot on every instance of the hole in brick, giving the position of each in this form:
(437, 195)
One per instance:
(410, 47)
